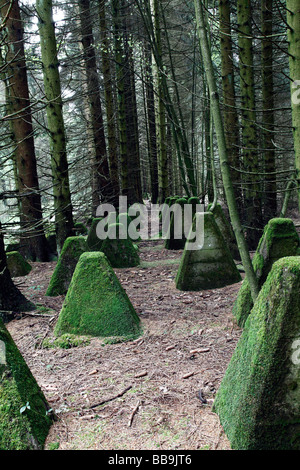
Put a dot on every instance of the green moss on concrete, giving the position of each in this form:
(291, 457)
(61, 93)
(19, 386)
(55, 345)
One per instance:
(62, 275)
(125, 219)
(120, 252)
(258, 401)
(209, 266)
(226, 230)
(20, 429)
(172, 243)
(14, 246)
(80, 229)
(93, 241)
(280, 239)
(17, 265)
(96, 304)
(66, 341)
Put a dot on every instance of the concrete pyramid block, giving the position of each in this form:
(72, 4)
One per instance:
(126, 220)
(226, 230)
(258, 401)
(119, 249)
(80, 229)
(93, 241)
(280, 239)
(17, 264)
(66, 264)
(174, 241)
(24, 413)
(209, 266)
(96, 304)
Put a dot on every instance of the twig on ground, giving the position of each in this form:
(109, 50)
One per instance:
(112, 398)
(134, 411)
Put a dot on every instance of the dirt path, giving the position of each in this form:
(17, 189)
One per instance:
(158, 376)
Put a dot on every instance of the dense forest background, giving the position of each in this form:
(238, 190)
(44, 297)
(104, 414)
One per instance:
(102, 98)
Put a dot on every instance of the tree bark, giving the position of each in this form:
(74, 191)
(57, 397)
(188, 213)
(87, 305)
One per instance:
(32, 239)
(231, 122)
(160, 113)
(224, 161)
(270, 200)
(109, 104)
(101, 183)
(59, 162)
(293, 20)
(253, 206)
(11, 299)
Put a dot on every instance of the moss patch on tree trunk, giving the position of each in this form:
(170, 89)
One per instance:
(258, 401)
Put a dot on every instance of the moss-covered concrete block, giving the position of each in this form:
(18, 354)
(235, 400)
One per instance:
(258, 401)
(80, 229)
(125, 219)
(280, 239)
(226, 230)
(14, 246)
(173, 240)
(209, 266)
(93, 241)
(17, 264)
(96, 303)
(24, 413)
(66, 264)
(120, 251)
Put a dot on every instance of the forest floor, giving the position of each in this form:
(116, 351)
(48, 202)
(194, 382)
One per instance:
(150, 385)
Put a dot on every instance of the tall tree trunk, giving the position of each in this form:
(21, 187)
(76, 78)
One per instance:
(160, 114)
(109, 103)
(231, 123)
(224, 161)
(59, 162)
(270, 202)
(253, 209)
(151, 124)
(120, 84)
(135, 188)
(293, 20)
(101, 184)
(33, 240)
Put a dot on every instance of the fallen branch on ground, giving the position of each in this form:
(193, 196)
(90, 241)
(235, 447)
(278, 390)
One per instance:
(112, 398)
